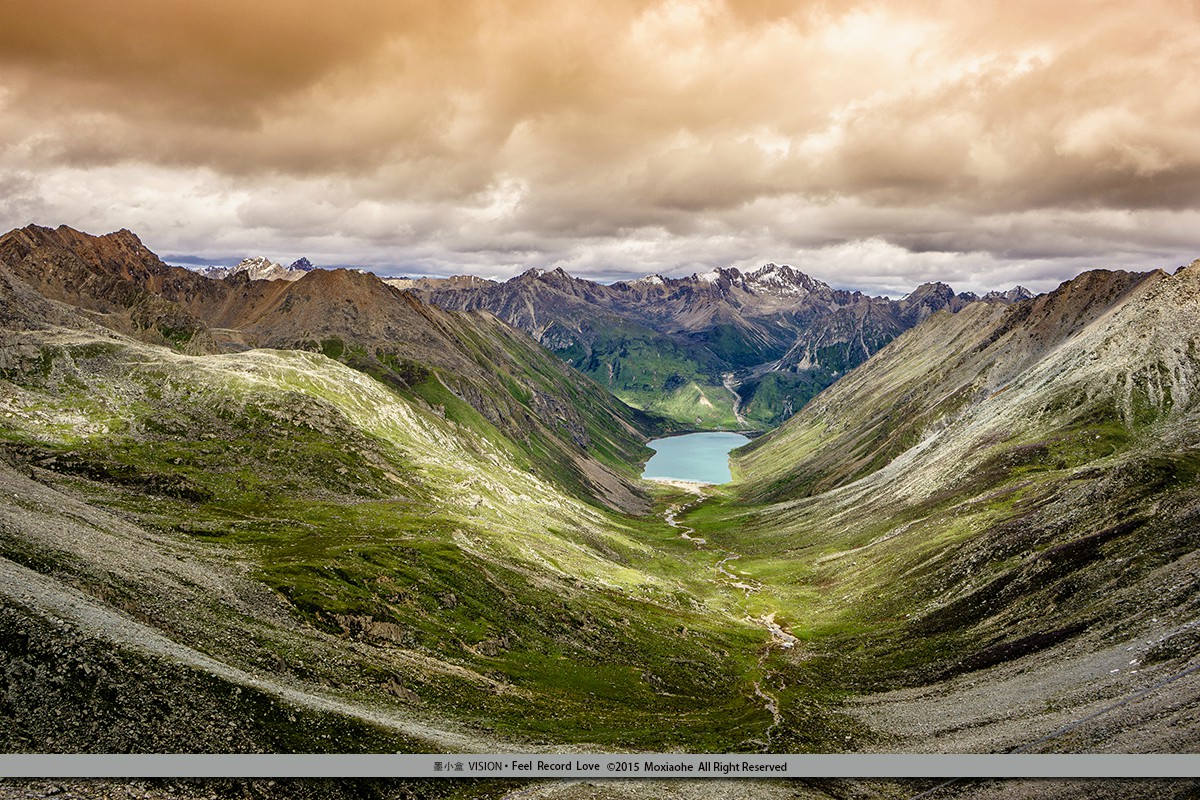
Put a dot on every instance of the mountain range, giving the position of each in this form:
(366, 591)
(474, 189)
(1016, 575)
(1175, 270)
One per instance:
(720, 349)
(324, 515)
(723, 349)
(260, 268)
(457, 363)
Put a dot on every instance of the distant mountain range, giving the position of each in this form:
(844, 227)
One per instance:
(260, 268)
(720, 349)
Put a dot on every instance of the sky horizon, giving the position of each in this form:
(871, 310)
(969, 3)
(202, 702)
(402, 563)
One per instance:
(871, 145)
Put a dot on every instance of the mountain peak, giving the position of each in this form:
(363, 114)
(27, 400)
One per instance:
(124, 237)
(1013, 295)
(781, 277)
(729, 274)
(934, 292)
(65, 235)
(260, 268)
(558, 275)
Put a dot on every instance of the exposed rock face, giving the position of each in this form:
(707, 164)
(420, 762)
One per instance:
(114, 277)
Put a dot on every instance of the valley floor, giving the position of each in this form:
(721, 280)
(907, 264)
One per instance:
(64, 619)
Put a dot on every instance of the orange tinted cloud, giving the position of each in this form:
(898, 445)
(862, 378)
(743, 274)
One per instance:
(563, 131)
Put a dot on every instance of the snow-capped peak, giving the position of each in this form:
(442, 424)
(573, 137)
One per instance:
(649, 280)
(769, 274)
(260, 268)
(1013, 295)
(781, 277)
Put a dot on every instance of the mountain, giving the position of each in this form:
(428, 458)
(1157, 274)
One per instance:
(207, 546)
(260, 268)
(269, 550)
(1001, 497)
(922, 381)
(719, 349)
(294, 527)
(462, 364)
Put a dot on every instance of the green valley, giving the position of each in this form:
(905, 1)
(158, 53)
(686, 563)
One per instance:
(377, 548)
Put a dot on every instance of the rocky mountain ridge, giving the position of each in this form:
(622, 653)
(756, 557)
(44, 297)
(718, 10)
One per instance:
(260, 268)
(115, 281)
(755, 345)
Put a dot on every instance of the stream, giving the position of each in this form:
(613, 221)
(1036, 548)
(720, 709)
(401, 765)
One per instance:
(729, 383)
(780, 638)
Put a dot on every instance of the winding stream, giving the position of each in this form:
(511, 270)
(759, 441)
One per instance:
(780, 638)
(728, 381)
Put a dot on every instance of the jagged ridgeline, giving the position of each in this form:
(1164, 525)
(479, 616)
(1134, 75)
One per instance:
(724, 349)
(322, 515)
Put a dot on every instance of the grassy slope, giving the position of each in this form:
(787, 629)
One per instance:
(971, 495)
(454, 577)
(572, 431)
(652, 371)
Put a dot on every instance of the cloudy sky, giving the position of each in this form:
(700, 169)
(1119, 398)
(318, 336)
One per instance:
(873, 145)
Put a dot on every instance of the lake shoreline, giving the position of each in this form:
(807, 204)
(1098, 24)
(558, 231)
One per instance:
(695, 487)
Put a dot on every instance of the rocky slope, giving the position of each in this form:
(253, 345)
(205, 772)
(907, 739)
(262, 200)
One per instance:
(702, 348)
(570, 429)
(922, 382)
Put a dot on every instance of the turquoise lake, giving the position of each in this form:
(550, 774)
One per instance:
(702, 457)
